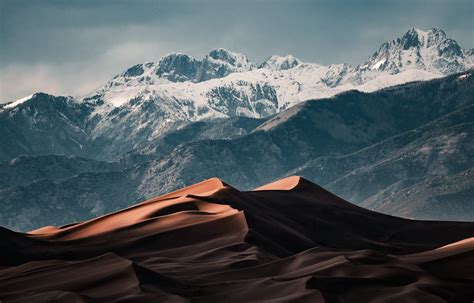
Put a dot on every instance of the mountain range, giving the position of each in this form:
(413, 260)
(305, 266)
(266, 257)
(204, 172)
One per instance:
(363, 134)
(147, 100)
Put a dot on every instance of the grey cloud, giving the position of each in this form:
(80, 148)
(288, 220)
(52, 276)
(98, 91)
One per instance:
(67, 47)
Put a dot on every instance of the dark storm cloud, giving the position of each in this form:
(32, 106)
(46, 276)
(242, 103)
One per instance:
(71, 47)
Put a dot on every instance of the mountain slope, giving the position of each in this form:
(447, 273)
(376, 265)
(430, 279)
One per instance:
(44, 124)
(385, 171)
(24, 170)
(441, 197)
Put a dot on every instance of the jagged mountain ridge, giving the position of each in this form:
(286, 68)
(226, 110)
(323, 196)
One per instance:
(430, 51)
(434, 52)
(148, 100)
(181, 67)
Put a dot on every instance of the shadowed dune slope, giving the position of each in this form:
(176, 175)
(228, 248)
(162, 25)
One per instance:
(288, 241)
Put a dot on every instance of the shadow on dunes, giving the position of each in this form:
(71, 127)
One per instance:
(288, 241)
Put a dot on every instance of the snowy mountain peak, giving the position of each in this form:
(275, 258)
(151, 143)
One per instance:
(220, 63)
(176, 56)
(234, 59)
(180, 88)
(412, 38)
(177, 67)
(417, 38)
(134, 71)
(429, 50)
(280, 62)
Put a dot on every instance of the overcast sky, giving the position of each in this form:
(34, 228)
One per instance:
(72, 47)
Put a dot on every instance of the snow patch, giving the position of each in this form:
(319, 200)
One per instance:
(18, 102)
(410, 75)
(378, 64)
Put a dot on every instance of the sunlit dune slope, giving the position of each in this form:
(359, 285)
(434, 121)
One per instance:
(288, 241)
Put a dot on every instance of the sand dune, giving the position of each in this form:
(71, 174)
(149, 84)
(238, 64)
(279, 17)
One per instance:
(288, 241)
(283, 184)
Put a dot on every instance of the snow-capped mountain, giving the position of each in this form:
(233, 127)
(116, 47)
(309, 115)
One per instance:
(418, 55)
(149, 99)
(428, 50)
(178, 67)
(280, 62)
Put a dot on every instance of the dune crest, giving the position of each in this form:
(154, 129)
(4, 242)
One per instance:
(283, 184)
(287, 241)
(201, 188)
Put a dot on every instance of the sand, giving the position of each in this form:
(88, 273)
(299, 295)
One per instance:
(288, 241)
